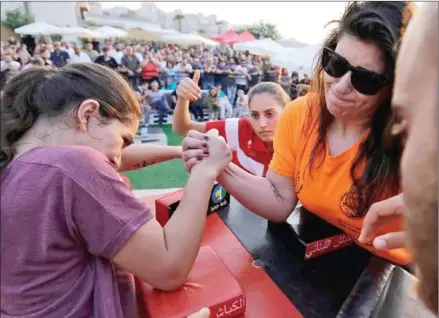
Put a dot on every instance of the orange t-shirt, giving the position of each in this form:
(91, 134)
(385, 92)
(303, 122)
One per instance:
(326, 192)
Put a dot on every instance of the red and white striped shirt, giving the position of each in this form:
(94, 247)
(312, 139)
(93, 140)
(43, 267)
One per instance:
(249, 151)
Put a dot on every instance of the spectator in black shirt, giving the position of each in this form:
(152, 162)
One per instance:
(221, 75)
(256, 74)
(106, 59)
(294, 83)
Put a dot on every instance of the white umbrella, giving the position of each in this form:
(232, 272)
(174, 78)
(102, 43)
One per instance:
(188, 39)
(152, 32)
(111, 32)
(37, 28)
(166, 32)
(295, 59)
(260, 47)
(81, 32)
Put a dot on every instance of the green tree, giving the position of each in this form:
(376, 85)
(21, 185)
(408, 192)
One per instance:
(90, 24)
(219, 23)
(17, 18)
(262, 29)
(179, 18)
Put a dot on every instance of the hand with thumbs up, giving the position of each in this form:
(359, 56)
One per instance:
(207, 151)
(188, 88)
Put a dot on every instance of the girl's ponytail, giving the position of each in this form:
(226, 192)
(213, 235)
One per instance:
(18, 110)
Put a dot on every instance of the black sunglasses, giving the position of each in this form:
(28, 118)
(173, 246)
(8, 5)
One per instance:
(364, 81)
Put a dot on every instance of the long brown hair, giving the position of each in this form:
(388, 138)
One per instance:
(380, 23)
(39, 92)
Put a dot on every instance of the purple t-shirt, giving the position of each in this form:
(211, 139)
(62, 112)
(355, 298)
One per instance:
(65, 213)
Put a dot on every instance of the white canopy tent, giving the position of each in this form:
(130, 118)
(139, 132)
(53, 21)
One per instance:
(297, 59)
(111, 32)
(260, 47)
(188, 39)
(37, 28)
(162, 32)
(81, 32)
(151, 32)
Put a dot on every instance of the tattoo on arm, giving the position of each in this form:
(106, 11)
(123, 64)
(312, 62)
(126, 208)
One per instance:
(144, 164)
(275, 191)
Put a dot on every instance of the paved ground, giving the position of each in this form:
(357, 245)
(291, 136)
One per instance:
(155, 136)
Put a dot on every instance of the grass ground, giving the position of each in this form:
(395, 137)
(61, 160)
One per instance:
(170, 174)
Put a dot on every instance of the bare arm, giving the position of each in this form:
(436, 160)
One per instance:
(161, 256)
(182, 121)
(140, 156)
(272, 197)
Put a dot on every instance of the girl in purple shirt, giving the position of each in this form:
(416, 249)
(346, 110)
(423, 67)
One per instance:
(72, 233)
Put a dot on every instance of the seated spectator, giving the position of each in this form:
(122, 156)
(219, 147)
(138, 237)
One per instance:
(231, 81)
(221, 75)
(196, 109)
(142, 97)
(9, 67)
(130, 67)
(78, 56)
(59, 57)
(23, 56)
(255, 72)
(241, 109)
(242, 76)
(294, 83)
(226, 109)
(34, 62)
(106, 59)
(212, 104)
(171, 75)
(150, 70)
(157, 100)
(92, 54)
(139, 53)
(305, 80)
(172, 100)
(208, 75)
(45, 55)
(183, 70)
(285, 80)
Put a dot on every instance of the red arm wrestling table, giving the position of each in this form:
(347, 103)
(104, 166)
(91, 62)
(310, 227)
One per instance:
(263, 298)
(284, 283)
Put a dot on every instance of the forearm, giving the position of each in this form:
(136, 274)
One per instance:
(258, 194)
(184, 230)
(182, 118)
(140, 156)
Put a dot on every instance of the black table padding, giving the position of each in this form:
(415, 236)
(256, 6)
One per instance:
(317, 287)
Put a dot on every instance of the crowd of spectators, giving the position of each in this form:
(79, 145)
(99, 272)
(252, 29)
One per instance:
(155, 69)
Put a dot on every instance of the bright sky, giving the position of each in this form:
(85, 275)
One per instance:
(303, 21)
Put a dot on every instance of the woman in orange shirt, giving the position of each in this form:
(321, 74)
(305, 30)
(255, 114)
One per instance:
(330, 149)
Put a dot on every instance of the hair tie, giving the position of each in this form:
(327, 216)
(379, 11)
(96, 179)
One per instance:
(408, 12)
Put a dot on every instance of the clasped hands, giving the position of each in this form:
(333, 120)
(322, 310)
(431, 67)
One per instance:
(210, 152)
(206, 151)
